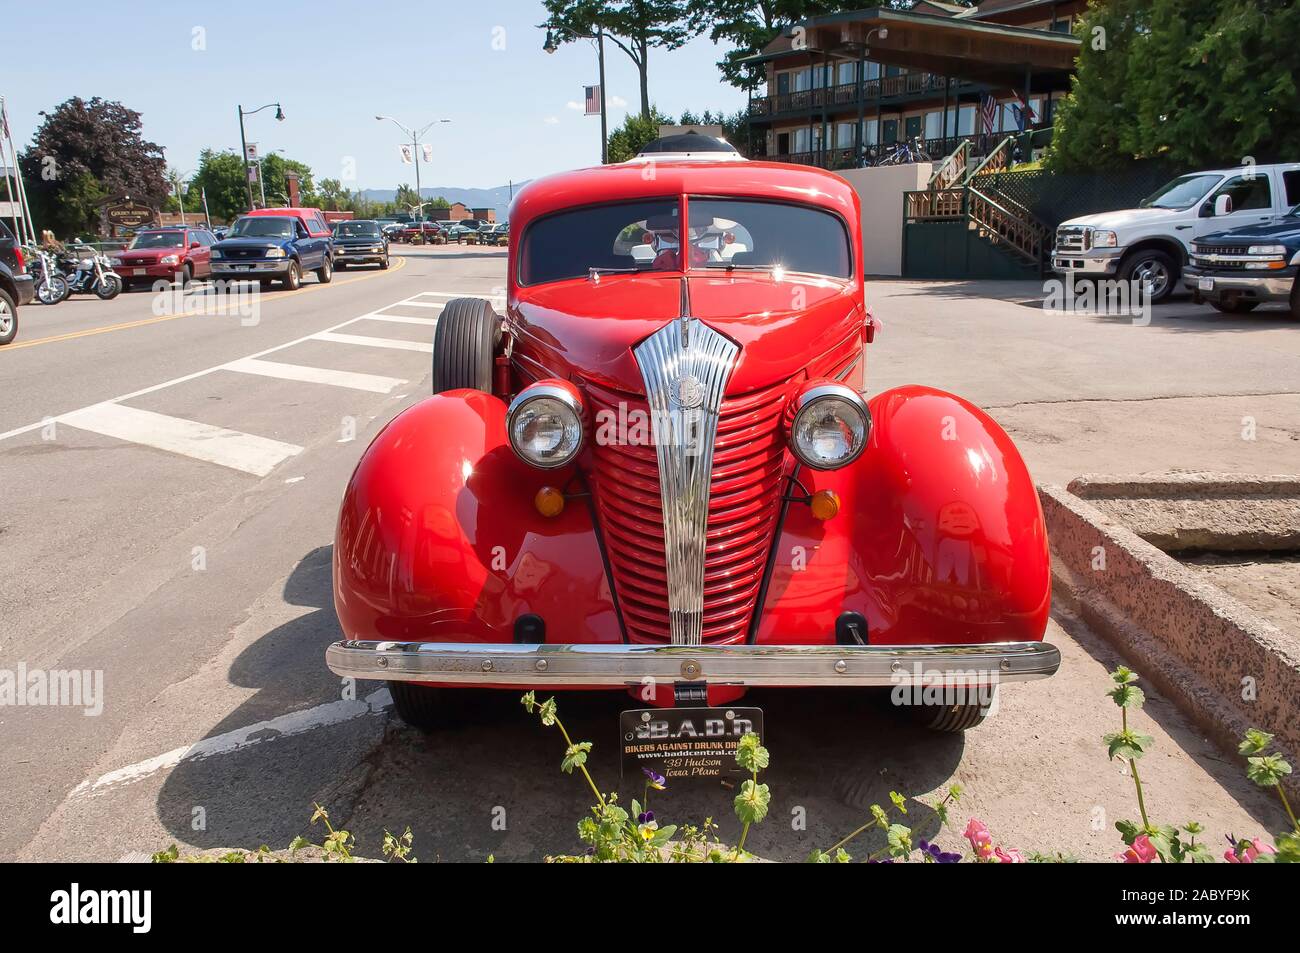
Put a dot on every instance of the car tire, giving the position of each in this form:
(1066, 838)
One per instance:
(1154, 264)
(1295, 299)
(464, 345)
(418, 705)
(1233, 305)
(383, 263)
(948, 718)
(8, 318)
(325, 273)
(187, 277)
(342, 266)
(293, 279)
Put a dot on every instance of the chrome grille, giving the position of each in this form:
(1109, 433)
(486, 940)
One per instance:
(1073, 238)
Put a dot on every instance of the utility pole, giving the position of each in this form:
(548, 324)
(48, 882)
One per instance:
(243, 146)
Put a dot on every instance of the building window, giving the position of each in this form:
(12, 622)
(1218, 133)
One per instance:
(844, 135)
(869, 127)
(890, 131)
(873, 70)
(934, 124)
(846, 74)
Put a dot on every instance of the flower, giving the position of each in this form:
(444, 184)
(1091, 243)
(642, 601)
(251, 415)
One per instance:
(656, 781)
(1246, 851)
(647, 830)
(981, 841)
(937, 854)
(1009, 855)
(645, 817)
(1141, 852)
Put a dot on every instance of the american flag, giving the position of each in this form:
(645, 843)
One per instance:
(988, 113)
(592, 99)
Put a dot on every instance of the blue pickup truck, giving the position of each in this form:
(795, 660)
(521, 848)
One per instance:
(270, 244)
(1238, 270)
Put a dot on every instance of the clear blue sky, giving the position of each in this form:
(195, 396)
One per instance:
(418, 61)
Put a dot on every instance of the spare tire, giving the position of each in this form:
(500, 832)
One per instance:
(464, 345)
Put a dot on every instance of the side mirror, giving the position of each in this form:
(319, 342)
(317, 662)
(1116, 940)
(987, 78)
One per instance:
(195, 245)
(1223, 205)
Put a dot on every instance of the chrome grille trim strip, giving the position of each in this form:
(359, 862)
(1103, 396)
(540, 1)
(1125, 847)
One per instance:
(685, 366)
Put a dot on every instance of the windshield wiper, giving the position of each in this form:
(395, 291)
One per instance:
(593, 274)
(732, 266)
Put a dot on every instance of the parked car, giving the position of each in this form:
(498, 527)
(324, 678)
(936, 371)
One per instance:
(657, 472)
(219, 232)
(359, 242)
(393, 231)
(1238, 270)
(1151, 243)
(168, 254)
(498, 234)
(276, 243)
(16, 286)
(460, 233)
(426, 233)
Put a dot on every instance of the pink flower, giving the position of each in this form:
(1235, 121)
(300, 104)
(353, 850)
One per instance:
(1142, 852)
(981, 841)
(1250, 849)
(1009, 855)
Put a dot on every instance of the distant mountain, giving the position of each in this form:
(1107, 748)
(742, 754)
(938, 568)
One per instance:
(497, 198)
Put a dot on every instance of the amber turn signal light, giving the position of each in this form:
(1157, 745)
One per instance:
(825, 504)
(550, 501)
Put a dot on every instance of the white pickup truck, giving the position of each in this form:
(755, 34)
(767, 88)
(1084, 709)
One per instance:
(1151, 243)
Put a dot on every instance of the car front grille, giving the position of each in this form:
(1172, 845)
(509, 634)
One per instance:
(1200, 259)
(1074, 238)
(238, 253)
(745, 497)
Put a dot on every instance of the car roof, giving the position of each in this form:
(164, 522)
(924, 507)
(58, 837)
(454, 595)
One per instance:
(628, 181)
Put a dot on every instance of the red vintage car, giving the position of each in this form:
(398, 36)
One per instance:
(656, 472)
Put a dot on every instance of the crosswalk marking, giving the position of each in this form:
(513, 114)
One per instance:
(375, 383)
(228, 448)
(398, 319)
(425, 346)
(419, 304)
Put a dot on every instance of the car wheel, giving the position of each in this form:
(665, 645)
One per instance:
(950, 718)
(325, 273)
(187, 277)
(1295, 299)
(293, 279)
(418, 705)
(8, 318)
(464, 345)
(383, 263)
(1233, 304)
(265, 283)
(1153, 268)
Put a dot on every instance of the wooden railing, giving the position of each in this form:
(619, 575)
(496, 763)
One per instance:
(998, 159)
(848, 93)
(952, 169)
(935, 205)
(1014, 228)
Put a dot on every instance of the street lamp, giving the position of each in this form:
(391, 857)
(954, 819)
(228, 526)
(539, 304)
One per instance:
(415, 148)
(551, 45)
(243, 145)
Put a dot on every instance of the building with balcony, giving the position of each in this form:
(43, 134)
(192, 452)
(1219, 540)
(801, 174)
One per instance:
(843, 90)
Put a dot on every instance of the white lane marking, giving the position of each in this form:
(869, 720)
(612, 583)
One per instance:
(419, 304)
(399, 319)
(425, 346)
(229, 448)
(295, 723)
(455, 294)
(375, 383)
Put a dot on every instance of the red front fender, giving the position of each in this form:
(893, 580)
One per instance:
(438, 538)
(940, 536)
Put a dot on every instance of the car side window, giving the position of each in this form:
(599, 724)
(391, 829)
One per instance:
(1247, 192)
(1291, 181)
(300, 230)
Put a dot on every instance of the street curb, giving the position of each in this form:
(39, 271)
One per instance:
(1190, 639)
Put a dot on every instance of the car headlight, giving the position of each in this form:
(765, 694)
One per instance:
(1104, 239)
(1266, 250)
(830, 426)
(275, 253)
(216, 253)
(169, 260)
(544, 424)
(115, 263)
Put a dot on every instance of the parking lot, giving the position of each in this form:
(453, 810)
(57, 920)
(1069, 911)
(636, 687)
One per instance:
(172, 485)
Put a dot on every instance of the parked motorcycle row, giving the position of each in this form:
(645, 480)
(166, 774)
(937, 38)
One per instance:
(79, 270)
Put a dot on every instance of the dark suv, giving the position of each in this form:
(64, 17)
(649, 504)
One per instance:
(15, 284)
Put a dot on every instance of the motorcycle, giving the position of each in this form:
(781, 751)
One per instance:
(50, 285)
(87, 271)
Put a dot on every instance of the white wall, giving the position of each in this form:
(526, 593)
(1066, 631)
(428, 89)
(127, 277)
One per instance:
(881, 189)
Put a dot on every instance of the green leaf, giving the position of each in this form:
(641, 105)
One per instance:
(1198, 854)
(900, 840)
(575, 756)
(819, 857)
(751, 755)
(898, 801)
(879, 816)
(298, 843)
(1123, 676)
(663, 835)
(547, 711)
(1254, 742)
(529, 701)
(1267, 770)
(1128, 831)
(167, 856)
(1128, 745)
(1193, 828)
(842, 856)
(1165, 841)
(752, 802)
(1127, 696)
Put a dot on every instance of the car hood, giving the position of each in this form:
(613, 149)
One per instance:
(147, 254)
(584, 329)
(358, 240)
(1285, 230)
(235, 243)
(1126, 217)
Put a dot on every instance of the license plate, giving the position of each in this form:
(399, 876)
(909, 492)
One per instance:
(685, 743)
(243, 267)
(1205, 284)
(139, 272)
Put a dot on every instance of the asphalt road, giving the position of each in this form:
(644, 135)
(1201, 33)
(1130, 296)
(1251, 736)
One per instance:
(170, 483)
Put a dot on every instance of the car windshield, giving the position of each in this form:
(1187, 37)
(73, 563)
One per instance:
(1183, 192)
(262, 227)
(627, 236)
(157, 240)
(739, 233)
(356, 230)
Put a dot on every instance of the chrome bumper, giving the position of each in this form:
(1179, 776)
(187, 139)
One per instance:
(510, 665)
(1258, 285)
(1091, 262)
